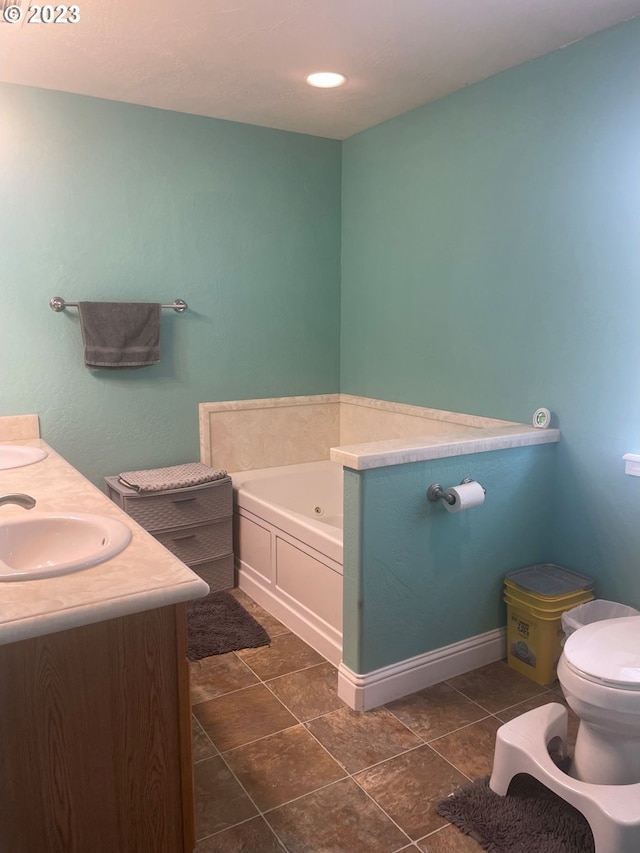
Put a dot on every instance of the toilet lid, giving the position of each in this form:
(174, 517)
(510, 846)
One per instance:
(607, 651)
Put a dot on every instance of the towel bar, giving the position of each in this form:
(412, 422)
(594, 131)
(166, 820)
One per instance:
(57, 303)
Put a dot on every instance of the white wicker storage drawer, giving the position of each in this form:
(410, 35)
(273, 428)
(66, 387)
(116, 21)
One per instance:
(158, 511)
(196, 544)
(219, 574)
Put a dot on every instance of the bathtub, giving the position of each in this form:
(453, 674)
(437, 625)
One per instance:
(288, 547)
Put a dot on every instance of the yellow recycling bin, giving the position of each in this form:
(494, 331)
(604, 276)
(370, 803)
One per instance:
(536, 598)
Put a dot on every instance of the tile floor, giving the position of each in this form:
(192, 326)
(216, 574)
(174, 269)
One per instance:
(281, 764)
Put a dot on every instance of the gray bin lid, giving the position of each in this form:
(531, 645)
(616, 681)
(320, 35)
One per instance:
(547, 579)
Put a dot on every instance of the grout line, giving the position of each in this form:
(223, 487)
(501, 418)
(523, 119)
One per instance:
(459, 769)
(258, 739)
(332, 756)
(348, 775)
(388, 816)
(311, 666)
(293, 714)
(196, 722)
(302, 796)
(475, 701)
(461, 728)
(510, 707)
(446, 734)
(406, 725)
(500, 710)
(351, 775)
(450, 763)
(457, 689)
(242, 660)
(258, 816)
(226, 693)
(435, 831)
(259, 811)
(224, 829)
(384, 812)
(282, 674)
(221, 695)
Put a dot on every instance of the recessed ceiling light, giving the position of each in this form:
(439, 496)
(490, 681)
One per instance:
(326, 79)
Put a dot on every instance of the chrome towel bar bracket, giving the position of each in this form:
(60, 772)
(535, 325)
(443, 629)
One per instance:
(57, 303)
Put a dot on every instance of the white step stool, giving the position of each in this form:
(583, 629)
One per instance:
(613, 811)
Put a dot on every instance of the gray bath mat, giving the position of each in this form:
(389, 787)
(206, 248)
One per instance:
(530, 819)
(218, 624)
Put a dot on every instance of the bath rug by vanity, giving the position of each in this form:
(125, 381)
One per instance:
(530, 819)
(217, 624)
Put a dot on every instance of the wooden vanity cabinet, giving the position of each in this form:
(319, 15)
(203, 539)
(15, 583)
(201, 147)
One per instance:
(95, 739)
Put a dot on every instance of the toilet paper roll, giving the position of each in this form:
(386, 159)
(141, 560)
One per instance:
(466, 496)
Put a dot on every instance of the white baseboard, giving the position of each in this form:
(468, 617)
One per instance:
(365, 691)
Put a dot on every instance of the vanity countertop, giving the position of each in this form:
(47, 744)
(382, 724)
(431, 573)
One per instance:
(143, 577)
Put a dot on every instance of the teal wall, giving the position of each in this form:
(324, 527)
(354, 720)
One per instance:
(109, 201)
(418, 577)
(491, 265)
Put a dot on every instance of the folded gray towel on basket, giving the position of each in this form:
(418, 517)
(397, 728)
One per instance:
(120, 334)
(175, 477)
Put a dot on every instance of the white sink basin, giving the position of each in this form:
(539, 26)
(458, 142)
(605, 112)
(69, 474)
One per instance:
(17, 456)
(44, 544)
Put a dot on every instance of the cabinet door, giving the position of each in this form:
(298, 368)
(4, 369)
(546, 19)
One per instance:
(93, 743)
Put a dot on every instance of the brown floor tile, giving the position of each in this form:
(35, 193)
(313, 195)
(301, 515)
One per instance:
(216, 675)
(528, 705)
(241, 717)
(448, 840)
(358, 740)
(337, 819)
(290, 776)
(271, 625)
(410, 786)
(436, 711)
(201, 746)
(283, 766)
(309, 692)
(287, 653)
(470, 749)
(253, 836)
(496, 686)
(220, 802)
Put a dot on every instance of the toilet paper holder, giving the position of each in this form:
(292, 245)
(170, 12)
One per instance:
(435, 492)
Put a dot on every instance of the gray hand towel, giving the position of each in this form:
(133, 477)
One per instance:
(120, 334)
(174, 477)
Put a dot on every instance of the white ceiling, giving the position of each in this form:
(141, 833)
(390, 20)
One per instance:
(246, 60)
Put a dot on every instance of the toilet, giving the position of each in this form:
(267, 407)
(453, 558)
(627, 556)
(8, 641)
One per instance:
(599, 672)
